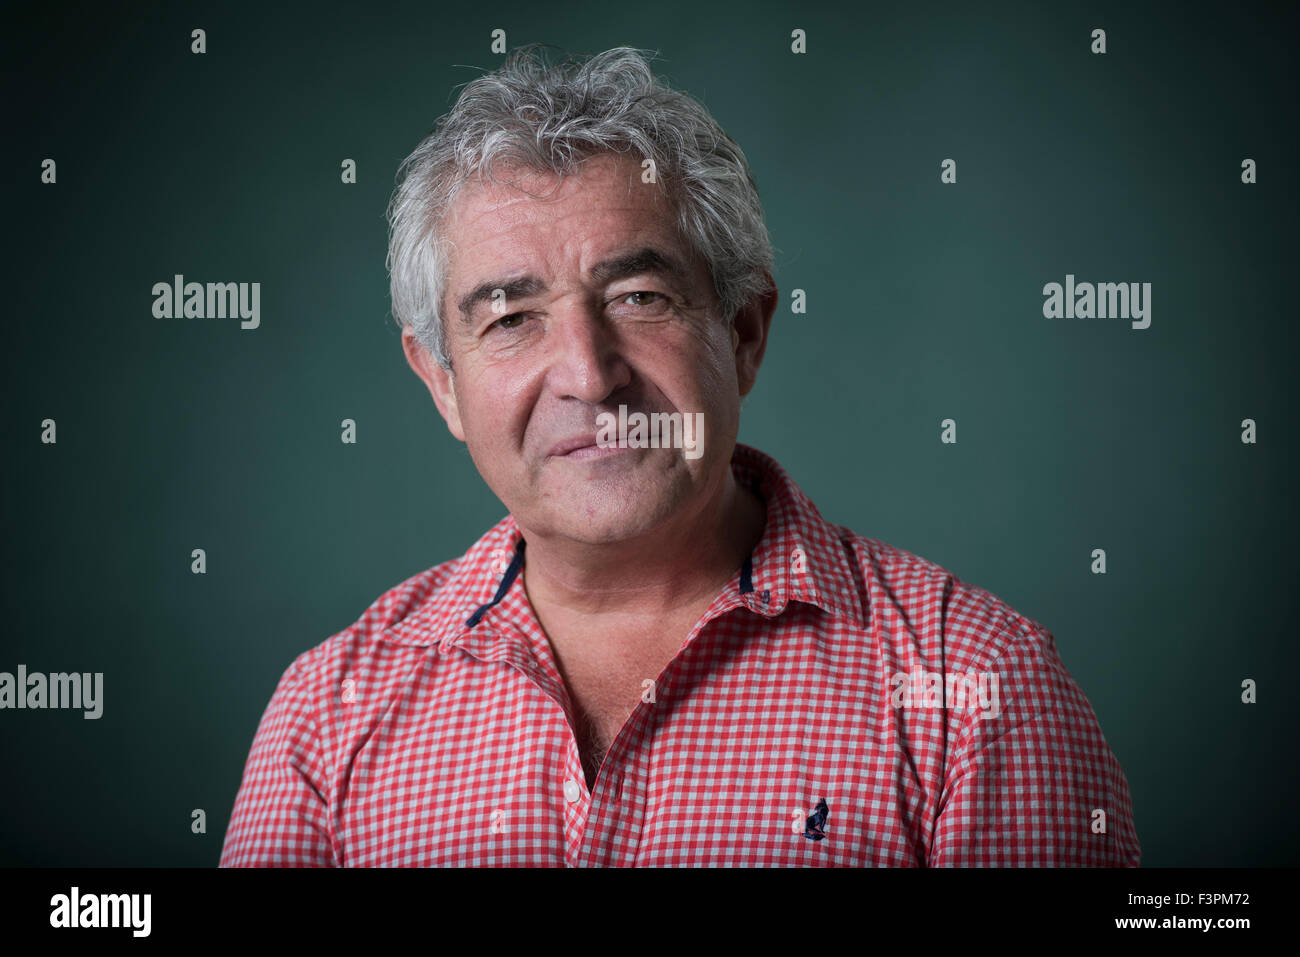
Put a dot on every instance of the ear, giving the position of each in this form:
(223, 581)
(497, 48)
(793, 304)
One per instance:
(749, 334)
(436, 378)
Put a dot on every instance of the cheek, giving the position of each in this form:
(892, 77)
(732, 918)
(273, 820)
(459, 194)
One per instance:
(715, 372)
(494, 405)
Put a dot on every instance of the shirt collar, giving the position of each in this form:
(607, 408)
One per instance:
(800, 557)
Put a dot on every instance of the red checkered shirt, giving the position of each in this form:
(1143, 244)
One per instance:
(808, 719)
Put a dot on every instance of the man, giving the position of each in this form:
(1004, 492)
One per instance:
(663, 655)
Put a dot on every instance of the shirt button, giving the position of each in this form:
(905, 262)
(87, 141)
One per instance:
(571, 791)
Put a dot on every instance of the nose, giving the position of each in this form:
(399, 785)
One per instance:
(586, 361)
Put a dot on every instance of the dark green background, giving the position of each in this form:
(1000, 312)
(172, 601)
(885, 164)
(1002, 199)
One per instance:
(924, 303)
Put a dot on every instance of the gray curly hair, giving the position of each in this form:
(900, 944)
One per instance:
(546, 117)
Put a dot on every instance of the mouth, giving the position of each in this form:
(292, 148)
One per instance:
(583, 447)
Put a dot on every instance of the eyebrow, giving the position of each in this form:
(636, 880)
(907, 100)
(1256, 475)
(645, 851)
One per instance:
(647, 259)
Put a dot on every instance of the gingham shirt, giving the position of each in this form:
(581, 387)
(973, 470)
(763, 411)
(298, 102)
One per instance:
(437, 730)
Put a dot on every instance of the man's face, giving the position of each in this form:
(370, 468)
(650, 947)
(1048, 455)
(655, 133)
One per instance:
(604, 305)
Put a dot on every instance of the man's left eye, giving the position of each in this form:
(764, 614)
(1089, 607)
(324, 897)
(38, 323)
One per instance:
(631, 294)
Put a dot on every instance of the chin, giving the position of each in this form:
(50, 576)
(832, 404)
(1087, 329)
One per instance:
(601, 519)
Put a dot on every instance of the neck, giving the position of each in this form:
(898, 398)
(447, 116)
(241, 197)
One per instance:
(678, 564)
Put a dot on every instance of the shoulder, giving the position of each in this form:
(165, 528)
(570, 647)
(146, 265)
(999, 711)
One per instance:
(360, 652)
(906, 591)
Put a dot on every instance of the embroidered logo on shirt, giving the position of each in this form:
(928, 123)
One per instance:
(815, 827)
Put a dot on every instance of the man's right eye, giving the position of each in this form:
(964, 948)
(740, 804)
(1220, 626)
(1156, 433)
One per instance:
(511, 321)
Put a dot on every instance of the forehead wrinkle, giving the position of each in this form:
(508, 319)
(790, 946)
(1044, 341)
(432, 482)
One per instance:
(649, 257)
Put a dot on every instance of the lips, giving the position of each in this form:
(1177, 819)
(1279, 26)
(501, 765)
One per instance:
(565, 446)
